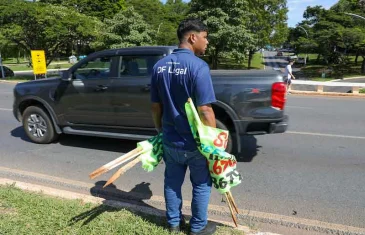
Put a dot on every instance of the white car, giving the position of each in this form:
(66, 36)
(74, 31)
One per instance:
(292, 57)
(301, 60)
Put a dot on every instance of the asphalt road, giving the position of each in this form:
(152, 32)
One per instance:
(314, 171)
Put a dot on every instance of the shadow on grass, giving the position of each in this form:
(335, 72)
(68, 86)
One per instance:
(113, 203)
(111, 194)
(136, 196)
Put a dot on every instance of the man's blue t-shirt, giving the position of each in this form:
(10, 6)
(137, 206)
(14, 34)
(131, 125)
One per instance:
(175, 78)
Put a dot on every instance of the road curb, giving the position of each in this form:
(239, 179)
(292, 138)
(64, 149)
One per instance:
(315, 93)
(247, 217)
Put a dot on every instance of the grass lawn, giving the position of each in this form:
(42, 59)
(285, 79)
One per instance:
(314, 69)
(28, 213)
(257, 62)
(320, 79)
(14, 60)
(228, 63)
(24, 67)
(25, 61)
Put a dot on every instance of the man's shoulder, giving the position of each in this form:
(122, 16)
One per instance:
(202, 63)
(163, 60)
(196, 62)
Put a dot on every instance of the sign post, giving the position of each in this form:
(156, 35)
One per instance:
(39, 63)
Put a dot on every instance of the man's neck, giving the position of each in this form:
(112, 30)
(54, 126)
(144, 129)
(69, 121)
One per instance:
(188, 46)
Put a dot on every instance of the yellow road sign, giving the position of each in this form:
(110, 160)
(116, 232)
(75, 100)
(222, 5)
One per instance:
(39, 62)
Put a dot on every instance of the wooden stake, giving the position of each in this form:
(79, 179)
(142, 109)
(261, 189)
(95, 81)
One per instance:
(234, 217)
(111, 165)
(117, 174)
(233, 202)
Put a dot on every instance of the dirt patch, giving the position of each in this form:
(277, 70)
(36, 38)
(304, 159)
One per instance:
(7, 210)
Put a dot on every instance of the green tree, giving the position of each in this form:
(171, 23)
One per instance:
(51, 28)
(101, 9)
(267, 22)
(356, 35)
(334, 35)
(175, 12)
(228, 35)
(126, 29)
(162, 18)
(152, 11)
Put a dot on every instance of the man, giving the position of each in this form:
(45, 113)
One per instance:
(289, 75)
(175, 78)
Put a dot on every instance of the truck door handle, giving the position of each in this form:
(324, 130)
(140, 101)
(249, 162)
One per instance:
(101, 88)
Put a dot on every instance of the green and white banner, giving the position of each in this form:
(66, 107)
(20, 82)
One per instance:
(152, 151)
(211, 143)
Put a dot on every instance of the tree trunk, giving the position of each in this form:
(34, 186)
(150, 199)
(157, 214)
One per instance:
(357, 56)
(318, 57)
(215, 59)
(17, 58)
(250, 55)
(363, 65)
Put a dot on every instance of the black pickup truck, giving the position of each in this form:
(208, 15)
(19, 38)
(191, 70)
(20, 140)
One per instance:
(107, 95)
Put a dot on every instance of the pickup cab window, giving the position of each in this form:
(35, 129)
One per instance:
(139, 65)
(96, 68)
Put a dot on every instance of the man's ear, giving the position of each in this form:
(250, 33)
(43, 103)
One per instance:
(192, 38)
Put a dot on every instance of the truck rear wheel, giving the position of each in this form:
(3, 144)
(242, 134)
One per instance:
(38, 125)
(229, 147)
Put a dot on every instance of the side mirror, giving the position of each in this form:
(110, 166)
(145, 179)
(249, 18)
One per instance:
(66, 76)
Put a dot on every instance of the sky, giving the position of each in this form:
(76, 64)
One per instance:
(297, 8)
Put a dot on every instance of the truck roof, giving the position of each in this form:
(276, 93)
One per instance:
(252, 73)
(146, 49)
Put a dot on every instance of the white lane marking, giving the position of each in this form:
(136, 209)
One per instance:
(297, 107)
(327, 135)
(3, 109)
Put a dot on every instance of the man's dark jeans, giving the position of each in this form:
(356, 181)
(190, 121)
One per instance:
(176, 162)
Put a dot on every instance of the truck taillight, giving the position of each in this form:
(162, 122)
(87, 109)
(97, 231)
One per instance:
(278, 95)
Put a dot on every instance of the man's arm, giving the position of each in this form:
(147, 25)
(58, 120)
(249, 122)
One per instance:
(207, 115)
(291, 74)
(204, 96)
(156, 109)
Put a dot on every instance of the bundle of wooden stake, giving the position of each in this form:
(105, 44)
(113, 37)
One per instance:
(133, 155)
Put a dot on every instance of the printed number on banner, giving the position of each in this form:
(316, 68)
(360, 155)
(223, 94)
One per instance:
(222, 140)
(232, 175)
(220, 166)
(222, 184)
(217, 168)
